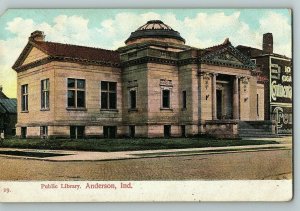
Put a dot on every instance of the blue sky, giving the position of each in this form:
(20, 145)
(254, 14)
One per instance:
(110, 28)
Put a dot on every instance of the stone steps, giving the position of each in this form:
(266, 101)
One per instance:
(254, 129)
(258, 136)
(248, 130)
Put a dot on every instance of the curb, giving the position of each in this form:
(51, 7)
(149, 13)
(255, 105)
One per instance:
(168, 154)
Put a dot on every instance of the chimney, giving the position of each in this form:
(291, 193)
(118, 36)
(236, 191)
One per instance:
(37, 36)
(267, 45)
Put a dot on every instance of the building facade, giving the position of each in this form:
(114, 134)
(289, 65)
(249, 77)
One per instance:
(277, 70)
(154, 86)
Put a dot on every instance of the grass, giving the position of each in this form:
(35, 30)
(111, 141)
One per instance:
(112, 145)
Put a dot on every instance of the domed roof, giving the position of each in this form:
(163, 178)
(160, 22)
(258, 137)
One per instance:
(155, 29)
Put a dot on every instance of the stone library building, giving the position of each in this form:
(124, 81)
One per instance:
(153, 86)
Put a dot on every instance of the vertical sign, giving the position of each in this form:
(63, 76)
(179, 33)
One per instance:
(281, 94)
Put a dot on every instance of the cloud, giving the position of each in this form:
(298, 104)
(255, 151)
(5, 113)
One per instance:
(281, 29)
(202, 30)
(65, 29)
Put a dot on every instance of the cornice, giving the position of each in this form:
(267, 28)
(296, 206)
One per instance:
(64, 59)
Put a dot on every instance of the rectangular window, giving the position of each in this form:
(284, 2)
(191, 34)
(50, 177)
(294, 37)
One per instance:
(76, 93)
(166, 98)
(183, 133)
(45, 94)
(24, 97)
(167, 131)
(109, 131)
(131, 131)
(183, 99)
(23, 132)
(77, 132)
(132, 94)
(44, 131)
(108, 95)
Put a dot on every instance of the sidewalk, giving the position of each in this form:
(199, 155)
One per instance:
(285, 143)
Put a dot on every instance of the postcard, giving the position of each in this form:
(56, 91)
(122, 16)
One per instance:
(146, 105)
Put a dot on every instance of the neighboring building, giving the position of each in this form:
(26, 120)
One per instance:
(155, 86)
(8, 114)
(277, 69)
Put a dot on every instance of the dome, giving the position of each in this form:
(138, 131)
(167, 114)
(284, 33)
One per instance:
(155, 30)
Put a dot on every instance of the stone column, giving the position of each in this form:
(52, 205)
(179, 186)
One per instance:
(236, 98)
(214, 96)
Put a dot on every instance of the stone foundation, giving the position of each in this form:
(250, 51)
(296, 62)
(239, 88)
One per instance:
(222, 128)
(141, 131)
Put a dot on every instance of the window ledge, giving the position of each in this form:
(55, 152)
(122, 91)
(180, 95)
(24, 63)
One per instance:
(109, 110)
(166, 109)
(76, 109)
(132, 110)
(24, 111)
(45, 109)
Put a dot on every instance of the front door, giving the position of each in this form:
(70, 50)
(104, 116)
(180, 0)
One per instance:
(219, 104)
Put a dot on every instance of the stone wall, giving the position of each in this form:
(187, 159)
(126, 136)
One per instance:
(135, 77)
(253, 98)
(59, 114)
(35, 116)
(261, 101)
(156, 113)
(247, 98)
(222, 128)
(93, 76)
(34, 54)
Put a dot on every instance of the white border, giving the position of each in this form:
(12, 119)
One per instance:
(146, 191)
(294, 4)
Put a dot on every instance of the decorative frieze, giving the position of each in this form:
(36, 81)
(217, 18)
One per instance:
(132, 55)
(206, 77)
(165, 82)
(245, 82)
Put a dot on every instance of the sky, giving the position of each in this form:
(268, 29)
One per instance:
(109, 28)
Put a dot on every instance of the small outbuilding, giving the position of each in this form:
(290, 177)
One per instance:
(8, 115)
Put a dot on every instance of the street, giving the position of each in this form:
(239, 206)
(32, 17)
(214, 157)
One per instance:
(268, 164)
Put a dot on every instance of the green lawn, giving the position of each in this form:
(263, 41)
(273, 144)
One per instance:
(111, 145)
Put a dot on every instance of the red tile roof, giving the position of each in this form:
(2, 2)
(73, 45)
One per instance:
(262, 78)
(255, 52)
(79, 52)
